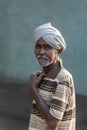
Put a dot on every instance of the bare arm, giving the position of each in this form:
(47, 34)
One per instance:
(41, 104)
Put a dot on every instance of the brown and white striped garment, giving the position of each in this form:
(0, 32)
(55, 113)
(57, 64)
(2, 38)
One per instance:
(59, 93)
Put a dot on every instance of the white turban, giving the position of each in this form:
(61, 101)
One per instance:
(51, 35)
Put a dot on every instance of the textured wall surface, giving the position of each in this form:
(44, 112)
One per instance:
(17, 21)
(15, 108)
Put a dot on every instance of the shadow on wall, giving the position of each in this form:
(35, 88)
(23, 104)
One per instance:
(81, 102)
(15, 107)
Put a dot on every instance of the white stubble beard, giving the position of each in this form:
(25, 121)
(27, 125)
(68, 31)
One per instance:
(44, 60)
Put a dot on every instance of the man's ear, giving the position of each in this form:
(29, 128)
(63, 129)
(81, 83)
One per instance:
(60, 50)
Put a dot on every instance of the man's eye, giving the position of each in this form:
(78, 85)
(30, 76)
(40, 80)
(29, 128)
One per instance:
(37, 46)
(48, 47)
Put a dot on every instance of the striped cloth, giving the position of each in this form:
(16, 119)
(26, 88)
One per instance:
(59, 94)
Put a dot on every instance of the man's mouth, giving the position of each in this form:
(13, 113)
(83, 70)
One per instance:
(43, 60)
(43, 57)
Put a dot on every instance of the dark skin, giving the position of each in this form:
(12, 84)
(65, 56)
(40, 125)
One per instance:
(35, 80)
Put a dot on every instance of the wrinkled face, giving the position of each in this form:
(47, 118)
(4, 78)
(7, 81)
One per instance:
(45, 54)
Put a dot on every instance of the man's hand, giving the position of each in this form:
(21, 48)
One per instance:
(34, 80)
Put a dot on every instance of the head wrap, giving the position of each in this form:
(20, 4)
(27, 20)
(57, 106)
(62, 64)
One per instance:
(51, 35)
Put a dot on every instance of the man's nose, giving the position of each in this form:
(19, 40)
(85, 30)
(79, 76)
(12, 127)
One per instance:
(42, 50)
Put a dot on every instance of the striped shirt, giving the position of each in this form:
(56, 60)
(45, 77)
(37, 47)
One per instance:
(59, 93)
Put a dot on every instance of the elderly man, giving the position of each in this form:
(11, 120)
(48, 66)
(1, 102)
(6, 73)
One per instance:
(52, 88)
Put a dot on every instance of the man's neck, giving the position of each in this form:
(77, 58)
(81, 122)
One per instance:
(47, 69)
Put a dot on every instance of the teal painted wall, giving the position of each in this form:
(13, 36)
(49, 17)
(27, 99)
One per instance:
(18, 18)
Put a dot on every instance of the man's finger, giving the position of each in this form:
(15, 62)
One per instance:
(41, 75)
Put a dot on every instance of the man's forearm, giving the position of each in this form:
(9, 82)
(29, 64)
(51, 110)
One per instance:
(43, 108)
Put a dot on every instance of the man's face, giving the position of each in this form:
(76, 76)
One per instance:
(45, 54)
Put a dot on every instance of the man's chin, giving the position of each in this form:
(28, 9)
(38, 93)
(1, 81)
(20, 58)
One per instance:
(45, 64)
